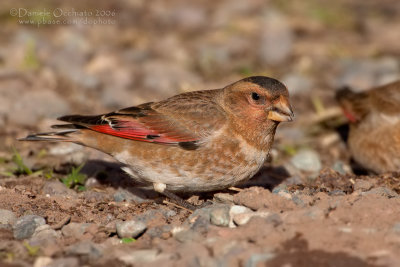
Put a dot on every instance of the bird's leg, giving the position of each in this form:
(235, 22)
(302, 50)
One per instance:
(232, 188)
(161, 188)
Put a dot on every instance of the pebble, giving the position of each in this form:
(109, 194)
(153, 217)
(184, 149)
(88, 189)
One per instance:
(165, 78)
(220, 216)
(314, 213)
(307, 160)
(92, 182)
(25, 226)
(74, 229)
(362, 185)
(235, 211)
(130, 228)
(137, 256)
(56, 188)
(184, 234)
(34, 105)
(259, 259)
(114, 97)
(223, 198)
(382, 191)
(361, 75)
(194, 227)
(241, 219)
(44, 236)
(297, 83)
(111, 227)
(42, 261)
(188, 18)
(63, 149)
(337, 192)
(7, 217)
(282, 191)
(130, 195)
(85, 248)
(341, 167)
(396, 228)
(160, 231)
(298, 201)
(64, 262)
(276, 38)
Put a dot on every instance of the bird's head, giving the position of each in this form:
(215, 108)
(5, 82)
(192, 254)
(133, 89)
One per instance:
(354, 105)
(258, 99)
(256, 105)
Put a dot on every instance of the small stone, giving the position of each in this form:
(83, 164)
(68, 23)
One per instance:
(92, 182)
(42, 261)
(75, 229)
(341, 167)
(362, 185)
(7, 217)
(114, 97)
(237, 210)
(241, 219)
(163, 231)
(276, 38)
(361, 75)
(223, 198)
(259, 259)
(130, 228)
(63, 149)
(44, 236)
(64, 262)
(34, 105)
(315, 213)
(56, 188)
(382, 191)
(396, 228)
(137, 256)
(346, 230)
(297, 84)
(220, 216)
(298, 201)
(26, 226)
(337, 192)
(111, 227)
(85, 248)
(280, 188)
(131, 195)
(307, 160)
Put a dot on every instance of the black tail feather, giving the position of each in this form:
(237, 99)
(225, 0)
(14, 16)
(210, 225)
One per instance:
(50, 136)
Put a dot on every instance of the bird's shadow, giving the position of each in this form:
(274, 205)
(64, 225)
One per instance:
(110, 174)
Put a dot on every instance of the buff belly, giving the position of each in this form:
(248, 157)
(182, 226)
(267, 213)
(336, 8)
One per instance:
(205, 169)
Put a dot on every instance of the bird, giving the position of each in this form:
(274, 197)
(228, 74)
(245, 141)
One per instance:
(197, 141)
(374, 132)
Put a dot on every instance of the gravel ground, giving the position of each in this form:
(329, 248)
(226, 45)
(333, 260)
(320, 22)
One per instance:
(311, 205)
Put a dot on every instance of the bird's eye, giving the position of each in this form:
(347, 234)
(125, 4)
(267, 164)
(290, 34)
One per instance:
(255, 96)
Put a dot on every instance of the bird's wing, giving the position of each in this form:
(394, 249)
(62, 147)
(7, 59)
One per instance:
(183, 120)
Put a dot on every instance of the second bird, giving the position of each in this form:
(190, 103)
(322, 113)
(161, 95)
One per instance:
(374, 137)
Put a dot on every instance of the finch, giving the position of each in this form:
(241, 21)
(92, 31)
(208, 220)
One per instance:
(374, 136)
(192, 142)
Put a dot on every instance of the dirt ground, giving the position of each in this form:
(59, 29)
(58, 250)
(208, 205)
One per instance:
(311, 205)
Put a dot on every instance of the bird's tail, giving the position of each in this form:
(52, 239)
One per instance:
(57, 136)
